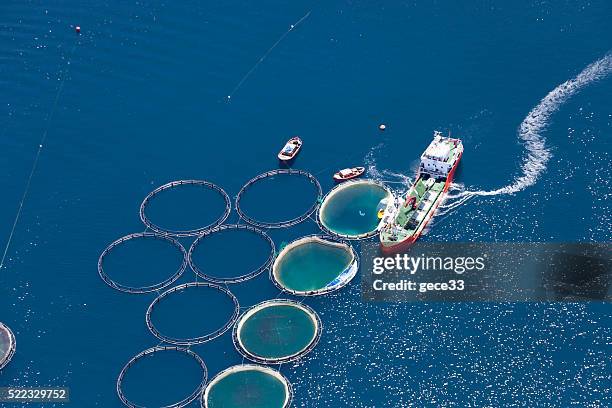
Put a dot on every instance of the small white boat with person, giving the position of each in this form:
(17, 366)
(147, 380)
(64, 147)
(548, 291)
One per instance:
(290, 150)
(347, 174)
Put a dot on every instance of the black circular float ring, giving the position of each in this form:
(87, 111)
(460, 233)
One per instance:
(207, 276)
(286, 223)
(192, 340)
(191, 232)
(142, 289)
(149, 352)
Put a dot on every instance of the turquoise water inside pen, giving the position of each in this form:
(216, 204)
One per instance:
(139, 99)
(311, 265)
(353, 209)
(277, 331)
(247, 388)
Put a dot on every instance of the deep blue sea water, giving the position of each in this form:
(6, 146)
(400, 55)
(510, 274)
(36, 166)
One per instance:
(140, 99)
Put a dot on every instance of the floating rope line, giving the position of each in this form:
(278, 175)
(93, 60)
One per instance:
(247, 367)
(191, 232)
(265, 55)
(12, 345)
(243, 350)
(192, 340)
(341, 280)
(142, 289)
(286, 223)
(233, 227)
(150, 352)
(41, 144)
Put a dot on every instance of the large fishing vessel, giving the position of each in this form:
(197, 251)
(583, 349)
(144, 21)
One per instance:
(404, 221)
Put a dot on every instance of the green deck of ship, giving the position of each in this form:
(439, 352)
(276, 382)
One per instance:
(401, 230)
(404, 213)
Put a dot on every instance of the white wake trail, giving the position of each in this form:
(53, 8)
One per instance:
(536, 122)
(386, 176)
(530, 132)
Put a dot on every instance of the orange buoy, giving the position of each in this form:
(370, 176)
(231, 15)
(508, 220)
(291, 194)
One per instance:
(382, 127)
(78, 29)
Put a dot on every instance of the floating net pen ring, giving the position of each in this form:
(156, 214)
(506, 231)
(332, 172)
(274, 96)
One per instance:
(243, 349)
(142, 289)
(191, 232)
(288, 388)
(335, 190)
(12, 345)
(151, 351)
(286, 223)
(343, 279)
(192, 340)
(267, 264)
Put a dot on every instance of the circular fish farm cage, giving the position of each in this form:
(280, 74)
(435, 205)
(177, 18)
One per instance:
(8, 345)
(189, 341)
(248, 385)
(185, 232)
(284, 223)
(236, 279)
(314, 265)
(150, 353)
(351, 209)
(277, 331)
(148, 288)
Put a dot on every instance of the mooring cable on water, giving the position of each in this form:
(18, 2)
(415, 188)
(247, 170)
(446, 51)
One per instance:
(265, 55)
(37, 155)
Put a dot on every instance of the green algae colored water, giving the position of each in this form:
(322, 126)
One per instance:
(311, 264)
(352, 209)
(277, 331)
(253, 388)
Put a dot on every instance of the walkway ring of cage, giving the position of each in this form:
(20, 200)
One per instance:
(142, 289)
(12, 346)
(192, 340)
(262, 360)
(240, 367)
(343, 185)
(267, 264)
(149, 352)
(286, 223)
(191, 232)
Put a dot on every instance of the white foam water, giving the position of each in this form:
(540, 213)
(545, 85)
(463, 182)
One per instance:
(530, 132)
(386, 176)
